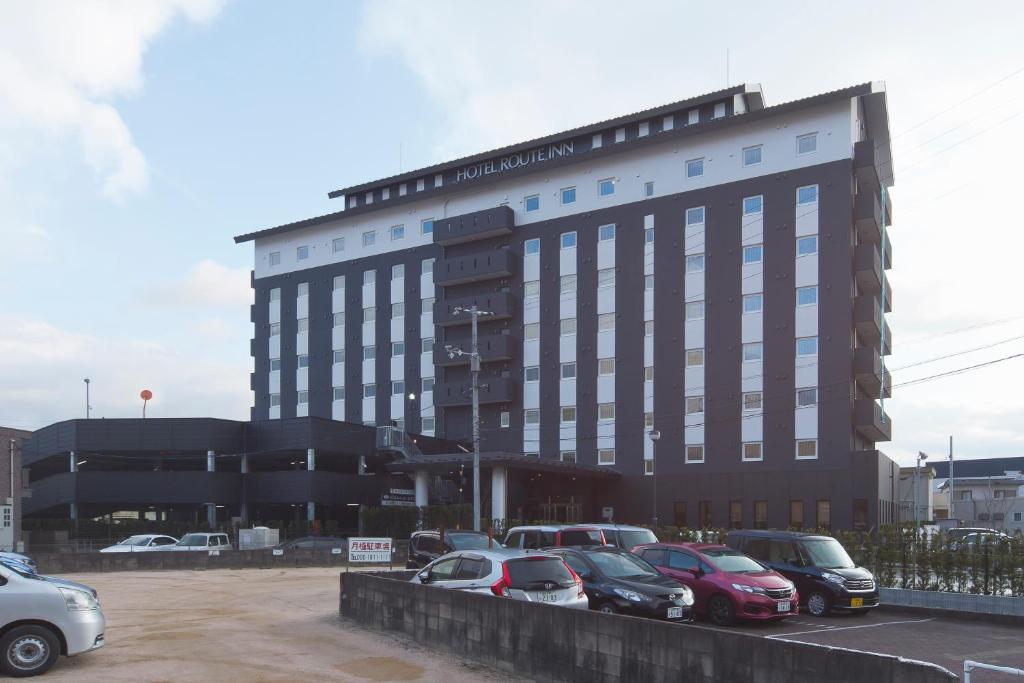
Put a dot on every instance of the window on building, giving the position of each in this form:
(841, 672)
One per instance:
(752, 155)
(752, 400)
(369, 352)
(807, 346)
(806, 296)
(426, 385)
(339, 282)
(338, 244)
(606, 411)
(796, 514)
(806, 449)
(649, 373)
(398, 388)
(397, 232)
(302, 325)
(531, 416)
(807, 194)
(427, 226)
(505, 419)
(760, 514)
(427, 266)
(398, 310)
(398, 271)
(338, 356)
(807, 144)
(568, 195)
(807, 397)
(805, 246)
(531, 289)
(397, 349)
(369, 390)
(369, 238)
(695, 215)
(606, 233)
(605, 366)
(567, 326)
(648, 328)
(606, 456)
(369, 314)
(753, 254)
(753, 352)
(303, 361)
(649, 282)
(824, 514)
(427, 305)
(531, 373)
(338, 393)
(275, 329)
(606, 187)
(648, 420)
(649, 236)
(704, 513)
(649, 189)
(339, 319)
(695, 263)
(605, 322)
(302, 253)
(274, 258)
(531, 331)
(568, 370)
(369, 277)
(605, 278)
(695, 168)
(568, 415)
(275, 294)
(679, 513)
(429, 424)
(302, 289)
(567, 456)
(275, 400)
(532, 203)
(694, 405)
(302, 397)
(567, 284)
(427, 345)
(695, 310)
(532, 247)
(568, 240)
(752, 451)
(694, 358)
(753, 303)
(275, 364)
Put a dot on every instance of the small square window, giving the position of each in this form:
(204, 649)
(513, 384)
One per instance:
(567, 326)
(275, 400)
(339, 393)
(531, 288)
(427, 345)
(275, 364)
(695, 168)
(338, 244)
(369, 390)
(567, 284)
(649, 236)
(605, 366)
(568, 370)
(752, 451)
(649, 189)
(429, 424)
(398, 271)
(649, 282)
(531, 331)
(695, 263)
(805, 246)
(807, 194)
(807, 346)
(694, 358)
(605, 322)
(806, 397)
(302, 398)
(719, 110)
(649, 373)
(398, 310)
(369, 314)
(397, 232)
(427, 266)
(605, 411)
(531, 374)
(275, 329)
(568, 195)
(338, 356)
(369, 352)
(606, 187)
(339, 282)
(606, 456)
(505, 419)
(692, 117)
(753, 303)
(275, 294)
(753, 205)
(648, 420)
(369, 277)
(532, 246)
(302, 325)
(648, 467)
(568, 415)
(369, 238)
(753, 254)
(648, 328)
(606, 233)
(753, 352)
(567, 456)
(302, 289)
(274, 258)
(807, 449)
(568, 240)
(806, 296)
(302, 253)
(695, 215)
(397, 388)
(427, 226)
(339, 319)
(605, 278)
(752, 155)
(695, 454)
(427, 385)
(752, 400)
(807, 144)
(427, 305)
(695, 310)
(397, 349)
(694, 405)
(532, 203)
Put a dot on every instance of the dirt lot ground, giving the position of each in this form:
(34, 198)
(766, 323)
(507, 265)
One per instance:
(263, 625)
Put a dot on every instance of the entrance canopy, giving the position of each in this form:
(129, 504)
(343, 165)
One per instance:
(447, 462)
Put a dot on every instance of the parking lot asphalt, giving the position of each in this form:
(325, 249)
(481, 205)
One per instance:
(939, 640)
(254, 625)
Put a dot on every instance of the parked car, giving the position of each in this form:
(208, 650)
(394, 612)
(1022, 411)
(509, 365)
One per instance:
(825, 576)
(726, 584)
(959, 533)
(43, 618)
(200, 541)
(516, 574)
(617, 581)
(533, 537)
(27, 571)
(977, 541)
(18, 557)
(314, 543)
(620, 536)
(425, 546)
(140, 544)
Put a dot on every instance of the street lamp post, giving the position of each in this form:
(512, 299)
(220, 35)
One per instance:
(654, 436)
(87, 406)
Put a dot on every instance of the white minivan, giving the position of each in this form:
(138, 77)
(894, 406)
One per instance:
(199, 541)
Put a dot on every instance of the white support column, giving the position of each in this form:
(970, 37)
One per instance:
(499, 492)
(243, 511)
(211, 507)
(421, 488)
(72, 462)
(311, 466)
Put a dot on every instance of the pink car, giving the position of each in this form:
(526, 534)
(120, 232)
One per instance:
(727, 585)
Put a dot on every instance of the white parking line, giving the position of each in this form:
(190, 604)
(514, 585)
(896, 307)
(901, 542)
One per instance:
(832, 629)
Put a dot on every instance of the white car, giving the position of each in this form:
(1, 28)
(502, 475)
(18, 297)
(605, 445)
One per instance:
(141, 543)
(200, 541)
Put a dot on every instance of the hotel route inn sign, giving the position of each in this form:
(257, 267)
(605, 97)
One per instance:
(513, 161)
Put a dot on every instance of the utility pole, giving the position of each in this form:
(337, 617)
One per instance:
(87, 406)
(952, 505)
(474, 371)
(654, 435)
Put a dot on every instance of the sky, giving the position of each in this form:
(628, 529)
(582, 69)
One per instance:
(137, 137)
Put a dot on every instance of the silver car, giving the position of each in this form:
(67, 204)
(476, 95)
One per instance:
(63, 618)
(18, 557)
(506, 573)
(140, 544)
(200, 541)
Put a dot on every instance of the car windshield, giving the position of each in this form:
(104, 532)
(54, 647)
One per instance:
(18, 568)
(622, 565)
(531, 572)
(827, 553)
(469, 541)
(631, 538)
(193, 539)
(135, 540)
(729, 560)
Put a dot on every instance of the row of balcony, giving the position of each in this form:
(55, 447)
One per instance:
(477, 267)
(492, 390)
(479, 225)
(870, 421)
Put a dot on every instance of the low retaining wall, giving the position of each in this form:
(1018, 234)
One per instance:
(550, 643)
(955, 603)
(76, 563)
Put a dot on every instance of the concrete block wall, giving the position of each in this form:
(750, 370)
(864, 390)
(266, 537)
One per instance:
(956, 602)
(556, 644)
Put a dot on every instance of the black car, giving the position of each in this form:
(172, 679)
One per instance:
(314, 543)
(425, 546)
(616, 581)
(825, 576)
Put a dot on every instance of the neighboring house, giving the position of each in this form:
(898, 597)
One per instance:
(11, 486)
(993, 501)
(925, 494)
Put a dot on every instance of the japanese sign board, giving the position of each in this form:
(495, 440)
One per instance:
(369, 550)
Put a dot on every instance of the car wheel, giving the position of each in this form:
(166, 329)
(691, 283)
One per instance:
(28, 651)
(721, 611)
(818, 604)
(607, 608)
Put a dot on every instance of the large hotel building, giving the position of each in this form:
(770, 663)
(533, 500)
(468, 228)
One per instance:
(712, 271)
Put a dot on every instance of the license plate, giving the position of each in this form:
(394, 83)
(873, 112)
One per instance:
(856, 602)
(784, 606)
(545, 597)
(675, 612)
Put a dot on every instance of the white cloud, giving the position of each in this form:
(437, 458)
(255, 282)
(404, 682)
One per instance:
(62, 64)
(207, 285)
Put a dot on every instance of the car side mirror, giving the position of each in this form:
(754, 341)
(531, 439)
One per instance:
(424, 577)
(585, 576)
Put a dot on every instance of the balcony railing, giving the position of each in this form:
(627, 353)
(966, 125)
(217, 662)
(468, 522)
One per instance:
(488, 265)
(478, 225)
(492, 390)
(869, 373)
(492, 347)
(871, 421)
(498, 305)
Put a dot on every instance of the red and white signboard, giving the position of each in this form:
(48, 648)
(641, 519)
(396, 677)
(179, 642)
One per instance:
(369, 550)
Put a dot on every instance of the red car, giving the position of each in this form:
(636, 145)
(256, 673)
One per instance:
(727, 585)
